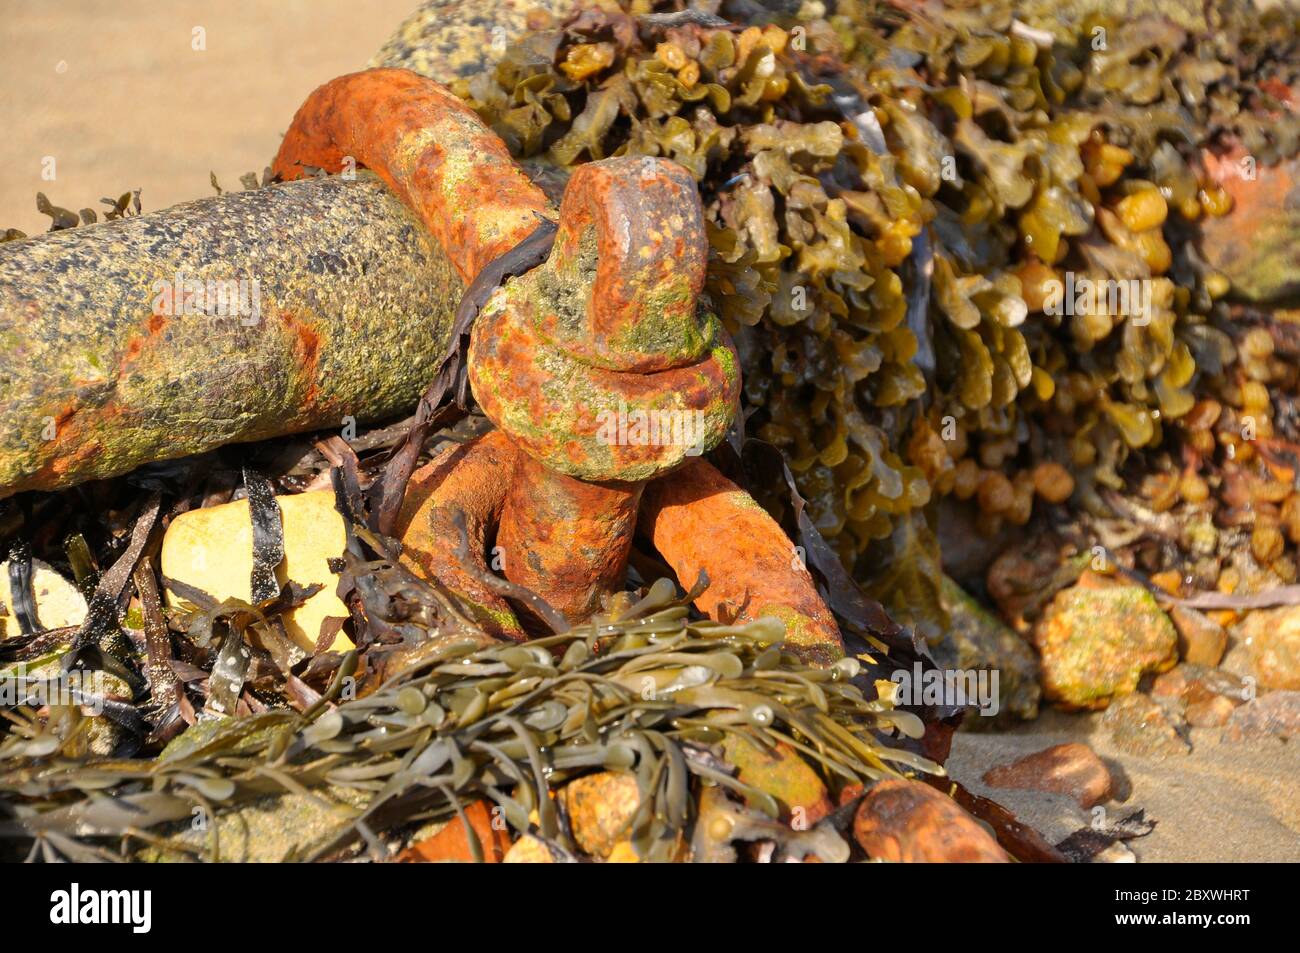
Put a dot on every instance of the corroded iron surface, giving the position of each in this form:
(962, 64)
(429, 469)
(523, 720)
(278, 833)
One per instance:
(470, 479)
(230, 319)
(430, 148)
(601, 363)
(566, 538)
(700, 521)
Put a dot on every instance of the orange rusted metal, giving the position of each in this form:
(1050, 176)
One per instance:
(610, 328)
(471, 479)
(699, 521)
(430, 148)
(601, 369)
(631, 241)
(566, 538)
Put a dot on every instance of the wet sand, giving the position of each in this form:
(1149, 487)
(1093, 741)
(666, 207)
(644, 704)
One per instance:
(118, 96)
(1226, 801)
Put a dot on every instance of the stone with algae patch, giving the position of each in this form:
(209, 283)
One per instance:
(1098, 638)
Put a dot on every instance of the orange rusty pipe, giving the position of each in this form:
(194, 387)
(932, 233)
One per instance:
(471, 479)
(429, 148)
(700, 520)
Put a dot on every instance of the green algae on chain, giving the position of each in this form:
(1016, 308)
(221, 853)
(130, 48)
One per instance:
(160, 373)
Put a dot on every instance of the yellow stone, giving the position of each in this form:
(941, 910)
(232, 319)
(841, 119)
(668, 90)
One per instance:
(600, 808)
(58, 602)
(623, 853)
(528, 850)
(212, 549)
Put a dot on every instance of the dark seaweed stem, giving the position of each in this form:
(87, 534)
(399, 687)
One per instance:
(20, 588)
(268, 536)
(164, 688)
(101, 615)
(503, 587)
(452, 379)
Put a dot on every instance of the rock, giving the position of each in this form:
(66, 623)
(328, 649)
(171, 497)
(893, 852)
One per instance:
(782, 773)
(1255, 245)
(1142, 726)
(1269, 642)
(1210, 713)
(212, 549)
(1201, 640)
(911, 822)
(623, 853)
(1098, 638)
(1116, 853)
(270, 829)
(528, 850)
(975, 640)
(964, 551)
(1024, 578)
(1276, 715)
(452, 844)
(1198, 683)
(1073, 769)
(600, 808)
(58, 602)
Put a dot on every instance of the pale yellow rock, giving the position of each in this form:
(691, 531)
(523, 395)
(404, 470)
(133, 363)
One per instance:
(58, 602)
(623, 853)
(212, 549)
(528, 850)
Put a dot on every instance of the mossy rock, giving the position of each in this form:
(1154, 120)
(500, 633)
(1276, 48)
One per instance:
(1098, 639)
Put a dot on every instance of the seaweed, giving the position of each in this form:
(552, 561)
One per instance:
(898, 205)
(643, 689)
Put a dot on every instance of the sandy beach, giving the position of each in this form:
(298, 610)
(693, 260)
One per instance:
(154, 96)
(1224, 802)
